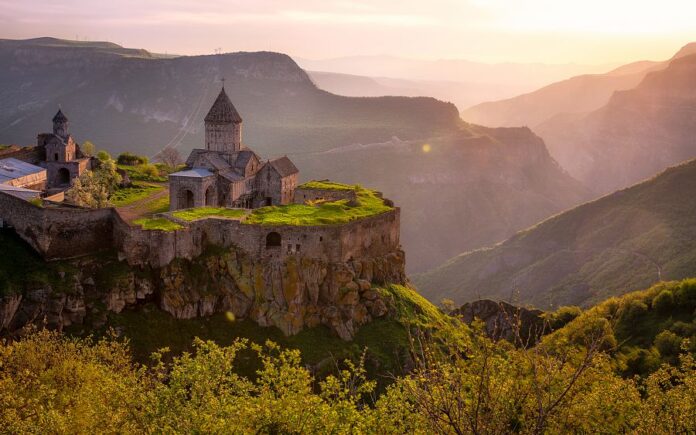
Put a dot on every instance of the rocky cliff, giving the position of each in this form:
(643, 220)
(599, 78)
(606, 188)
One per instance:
(291, 293)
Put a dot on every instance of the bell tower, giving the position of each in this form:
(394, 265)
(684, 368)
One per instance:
(223, 126)
(60, 125)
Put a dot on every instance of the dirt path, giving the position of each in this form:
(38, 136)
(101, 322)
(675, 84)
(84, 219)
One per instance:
(140, 208)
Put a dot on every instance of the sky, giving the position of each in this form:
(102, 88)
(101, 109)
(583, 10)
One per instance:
(547, 31)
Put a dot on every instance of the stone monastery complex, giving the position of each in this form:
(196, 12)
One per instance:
(226, 173)
(269, 267)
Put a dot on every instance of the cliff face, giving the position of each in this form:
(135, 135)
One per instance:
(292, 293)
(468, 190)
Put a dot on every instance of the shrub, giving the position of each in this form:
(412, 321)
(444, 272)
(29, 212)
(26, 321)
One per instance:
(103, 156)
(664, 301)
(150, 170)
(668, 343)
(683, 329)
(562, 316)
(594, 329)
(685, 293)
(131, 159)
(642, 361)
(634, 310)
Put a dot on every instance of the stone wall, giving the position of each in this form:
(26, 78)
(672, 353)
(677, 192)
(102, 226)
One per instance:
(65, 232)
(373, 236)
(59, 232)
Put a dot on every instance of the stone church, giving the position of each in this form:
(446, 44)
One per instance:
(227, 173)
(64, 161)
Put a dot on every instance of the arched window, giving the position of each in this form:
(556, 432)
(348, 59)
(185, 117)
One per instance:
(273, 240)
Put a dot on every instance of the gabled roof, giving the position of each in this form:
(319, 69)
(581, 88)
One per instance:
(243, 159)
(216, 160)
(284, 166)
(231, 176)
(12, 168)
(223, 111)
(60, 117)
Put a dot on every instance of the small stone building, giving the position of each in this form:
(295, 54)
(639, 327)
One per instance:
(227, 173)
(64, 161)
(20, 174)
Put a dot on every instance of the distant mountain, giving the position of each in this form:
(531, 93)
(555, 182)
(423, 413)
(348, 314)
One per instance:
(576, 95)
(462, 94)
(636, 134)
(627, 240)
(129, 99)
(523, 76)
(474, 188)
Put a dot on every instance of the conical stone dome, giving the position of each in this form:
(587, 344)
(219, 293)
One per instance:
(223, 111)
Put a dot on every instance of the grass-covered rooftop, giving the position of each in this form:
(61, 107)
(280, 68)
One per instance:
(328, 213)
(157, 223)
(367, 203)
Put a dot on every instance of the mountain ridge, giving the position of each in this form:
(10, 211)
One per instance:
(629, 239)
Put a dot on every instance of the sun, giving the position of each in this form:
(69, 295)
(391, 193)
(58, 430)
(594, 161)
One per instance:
(426, 148)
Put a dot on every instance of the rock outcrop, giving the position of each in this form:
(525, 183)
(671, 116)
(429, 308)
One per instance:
(501, 320)
(291, 293)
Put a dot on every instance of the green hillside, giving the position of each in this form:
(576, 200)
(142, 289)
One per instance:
(643, 329)
(627, 240)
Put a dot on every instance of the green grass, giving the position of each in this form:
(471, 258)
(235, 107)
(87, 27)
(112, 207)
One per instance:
(129, 195)
(148, 329)
(328, 185)
(160, 224)
(328, 213)
(204, 212)
(412, 308)
(160, 205)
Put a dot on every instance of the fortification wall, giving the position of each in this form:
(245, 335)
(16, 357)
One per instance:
(373, 236)
(65, 232)
(59, 232)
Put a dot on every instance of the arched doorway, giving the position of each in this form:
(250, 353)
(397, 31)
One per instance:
(210, 197)
(63, 177)
(185, 198)
(273, 240)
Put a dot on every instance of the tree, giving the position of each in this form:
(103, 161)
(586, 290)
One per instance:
(169, 156)
(93, 188)
(103, 156)
(88, 148)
